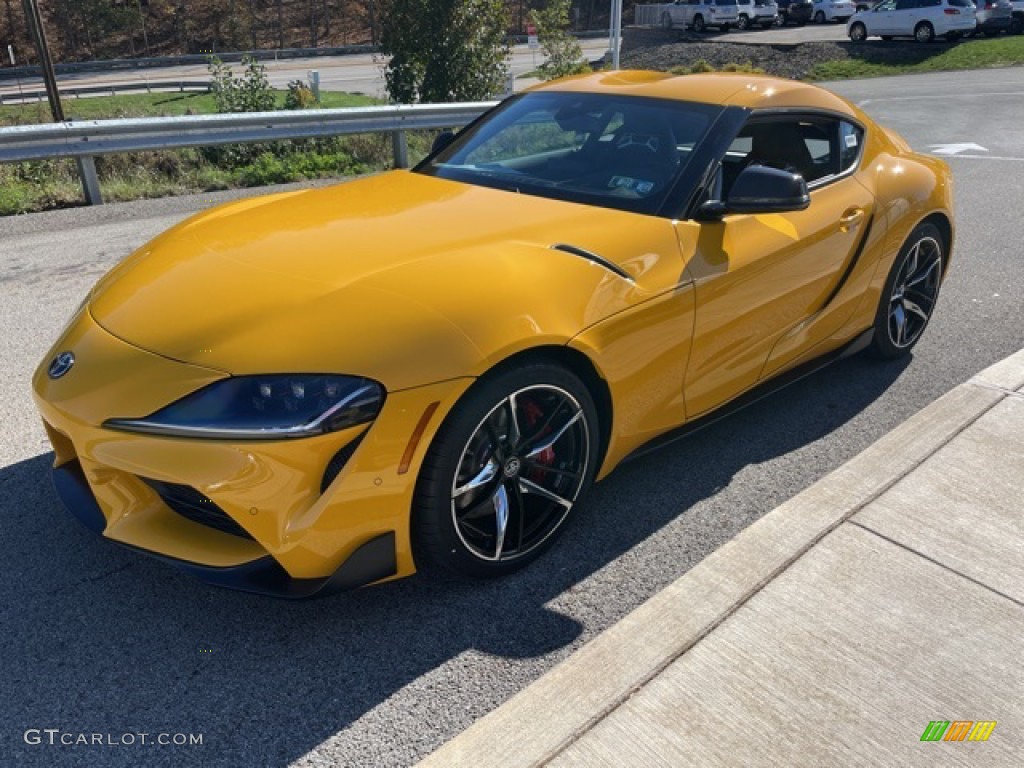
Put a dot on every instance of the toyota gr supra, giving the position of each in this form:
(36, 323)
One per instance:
(328, 388)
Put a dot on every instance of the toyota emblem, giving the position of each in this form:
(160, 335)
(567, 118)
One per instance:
(61, 364)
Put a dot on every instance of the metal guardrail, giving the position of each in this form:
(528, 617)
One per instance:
(107, 65)
(159, 85)
(86, 139)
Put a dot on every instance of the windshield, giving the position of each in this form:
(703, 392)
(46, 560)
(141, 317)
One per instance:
(615, 151)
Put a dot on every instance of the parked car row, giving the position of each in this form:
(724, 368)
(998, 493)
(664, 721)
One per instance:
(924, 20)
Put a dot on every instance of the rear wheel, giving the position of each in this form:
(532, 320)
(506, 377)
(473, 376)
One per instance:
(743, 22)
(698, 24)
(1016, 25)
(924, 32)
(505, 471)
(819, 18)
(858, 33)
(910, 293)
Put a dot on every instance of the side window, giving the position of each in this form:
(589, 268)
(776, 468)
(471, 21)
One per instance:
(906, 5)
(850, 139)
(814, 147)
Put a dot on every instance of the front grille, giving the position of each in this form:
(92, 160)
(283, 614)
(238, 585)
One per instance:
(192, 505)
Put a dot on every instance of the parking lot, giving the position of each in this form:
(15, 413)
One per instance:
(101, 640)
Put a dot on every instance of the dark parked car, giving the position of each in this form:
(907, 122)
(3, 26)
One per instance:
(797, 12)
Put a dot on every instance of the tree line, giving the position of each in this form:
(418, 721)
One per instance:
(81, 30)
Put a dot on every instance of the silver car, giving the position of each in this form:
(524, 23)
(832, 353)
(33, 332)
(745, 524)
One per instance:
(993, 16)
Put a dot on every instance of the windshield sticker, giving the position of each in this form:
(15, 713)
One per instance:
(851, 140)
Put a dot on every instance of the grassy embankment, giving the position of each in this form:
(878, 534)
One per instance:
(48, 184)
(1003, 51)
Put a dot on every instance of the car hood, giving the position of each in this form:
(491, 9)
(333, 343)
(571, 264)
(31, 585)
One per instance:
(400, 277)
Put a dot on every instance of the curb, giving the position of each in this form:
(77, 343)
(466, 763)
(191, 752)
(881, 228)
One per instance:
(544, 718)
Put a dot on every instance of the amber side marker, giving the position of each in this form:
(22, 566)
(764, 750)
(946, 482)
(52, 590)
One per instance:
(414, 440)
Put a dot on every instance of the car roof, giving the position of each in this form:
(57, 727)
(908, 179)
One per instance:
(737, 89)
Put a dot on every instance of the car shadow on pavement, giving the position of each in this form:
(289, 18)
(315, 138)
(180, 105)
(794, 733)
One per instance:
(99, 639)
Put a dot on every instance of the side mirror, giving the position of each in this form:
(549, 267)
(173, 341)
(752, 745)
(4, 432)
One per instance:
(441, 141)
(760, 189)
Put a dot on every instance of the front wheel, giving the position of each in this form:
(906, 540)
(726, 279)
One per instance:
(1016, 25)
(924, 32)
(743, 22)
(858, 33)
(910, 292)
(819, 18)
(509, 465)
(698, 24)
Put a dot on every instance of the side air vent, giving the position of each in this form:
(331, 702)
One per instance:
(611, 266)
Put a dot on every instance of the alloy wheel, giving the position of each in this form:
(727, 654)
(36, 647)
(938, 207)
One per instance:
(520, 473)
(914, 292)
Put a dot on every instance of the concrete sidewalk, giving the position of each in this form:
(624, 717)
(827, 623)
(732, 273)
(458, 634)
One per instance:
(829, 633)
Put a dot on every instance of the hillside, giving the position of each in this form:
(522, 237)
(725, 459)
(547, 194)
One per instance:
(80, 30)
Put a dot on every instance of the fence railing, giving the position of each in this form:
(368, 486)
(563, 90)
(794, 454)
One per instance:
(84, 140)
(86, 90)
(648, 15)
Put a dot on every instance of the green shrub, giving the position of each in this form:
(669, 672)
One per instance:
(300, 96)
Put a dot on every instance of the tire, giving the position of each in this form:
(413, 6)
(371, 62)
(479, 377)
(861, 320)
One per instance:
(698, 24)
(924, 32)
(743, 23)
(495, 492)
(819, 18)
(910, 293)
(1016, 25)
(666, 21)
(782, 19)
(858, 33)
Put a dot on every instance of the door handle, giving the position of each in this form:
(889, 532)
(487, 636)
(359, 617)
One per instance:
(851, 219)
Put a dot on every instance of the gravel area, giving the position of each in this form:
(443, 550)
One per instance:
(794, 61)
(661, 50)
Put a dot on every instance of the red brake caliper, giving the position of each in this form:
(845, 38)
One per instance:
(533, 414)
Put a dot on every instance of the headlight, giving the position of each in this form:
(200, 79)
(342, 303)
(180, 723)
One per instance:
(265, 408)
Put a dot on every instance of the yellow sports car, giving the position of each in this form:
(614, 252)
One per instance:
(326, 388)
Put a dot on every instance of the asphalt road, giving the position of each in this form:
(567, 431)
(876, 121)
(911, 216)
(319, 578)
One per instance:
(355, 73)
(100, 640)
(363, 73)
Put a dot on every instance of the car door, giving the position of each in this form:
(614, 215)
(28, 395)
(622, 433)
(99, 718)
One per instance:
(882, 19)
(764, 284)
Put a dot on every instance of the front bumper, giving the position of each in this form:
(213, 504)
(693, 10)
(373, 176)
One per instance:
(272, 526)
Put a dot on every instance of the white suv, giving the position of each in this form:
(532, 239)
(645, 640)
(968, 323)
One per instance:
(701, 14)
(765, 13)
(833, 10)
(923, 20)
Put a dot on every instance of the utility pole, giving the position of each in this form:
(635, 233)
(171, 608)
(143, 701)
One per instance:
(86, 165)
(35, 25)
(616, 31)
